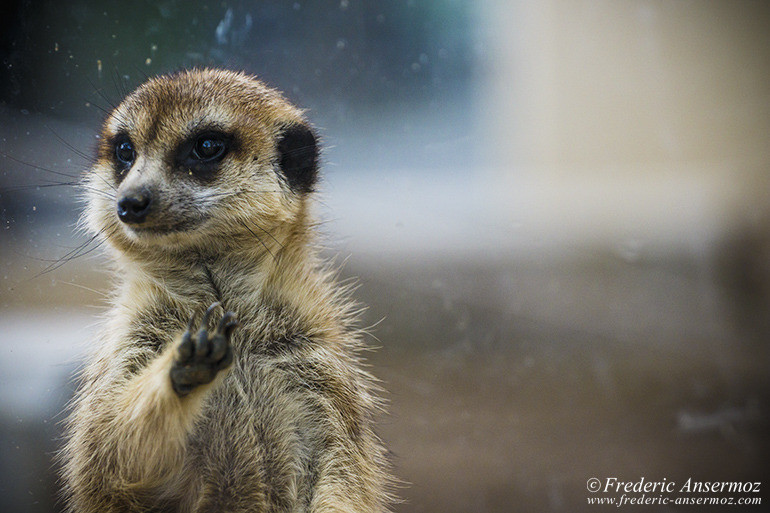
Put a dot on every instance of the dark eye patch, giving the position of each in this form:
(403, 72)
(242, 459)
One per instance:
(202, 153)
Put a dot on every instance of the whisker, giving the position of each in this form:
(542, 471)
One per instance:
(58, 173)
(243, 191)
(108, 184)
(93, 188)
(118, 82)
(239, 192)
(91, 102)
(79, 251)
(103, 195)
(70, 146)
(141, 71)
(14, 188)
(270, 235)
(260, 240)
(76, 250)
(89, 289)
(96, 190)
(79, 185)
(54, 267)
(101, 94)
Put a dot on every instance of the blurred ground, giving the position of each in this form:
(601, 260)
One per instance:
(510, 382)
(514, 406)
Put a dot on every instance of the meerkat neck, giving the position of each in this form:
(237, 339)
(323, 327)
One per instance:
(234, 271)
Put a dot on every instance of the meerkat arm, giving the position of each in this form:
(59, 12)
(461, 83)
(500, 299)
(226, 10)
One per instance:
(151, 422)
(143, 427)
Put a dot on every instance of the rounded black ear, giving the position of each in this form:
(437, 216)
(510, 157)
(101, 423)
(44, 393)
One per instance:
(298, 154)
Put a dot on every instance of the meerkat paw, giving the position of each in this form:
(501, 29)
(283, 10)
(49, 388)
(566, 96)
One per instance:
(200, 356)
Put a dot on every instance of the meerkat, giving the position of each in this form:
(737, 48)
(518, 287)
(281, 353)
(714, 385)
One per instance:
(227, 376)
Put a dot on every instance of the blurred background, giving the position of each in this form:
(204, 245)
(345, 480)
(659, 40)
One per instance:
(558, 212)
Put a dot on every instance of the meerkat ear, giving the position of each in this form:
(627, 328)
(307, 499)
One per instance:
(298, 157)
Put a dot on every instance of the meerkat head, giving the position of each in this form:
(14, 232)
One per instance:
(200, 154)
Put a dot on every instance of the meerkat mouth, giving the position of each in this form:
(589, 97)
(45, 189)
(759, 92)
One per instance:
(160, 232)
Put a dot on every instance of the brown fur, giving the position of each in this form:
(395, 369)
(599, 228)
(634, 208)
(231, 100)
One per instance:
(288, 427)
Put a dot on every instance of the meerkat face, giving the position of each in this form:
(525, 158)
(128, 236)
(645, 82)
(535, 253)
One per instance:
(198, 154)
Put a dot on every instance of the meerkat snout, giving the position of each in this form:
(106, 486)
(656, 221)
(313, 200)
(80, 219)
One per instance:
(134, 205)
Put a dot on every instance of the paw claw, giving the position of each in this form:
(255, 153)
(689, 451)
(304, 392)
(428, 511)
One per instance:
(227, 324)
(208, 312)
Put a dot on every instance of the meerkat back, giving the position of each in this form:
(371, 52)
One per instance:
(226, 377)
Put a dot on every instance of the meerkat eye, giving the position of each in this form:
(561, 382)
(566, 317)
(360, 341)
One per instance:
(124, 152)
(209, 148)
(201, 154)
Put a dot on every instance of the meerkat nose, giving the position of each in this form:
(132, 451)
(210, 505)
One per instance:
(134, 206)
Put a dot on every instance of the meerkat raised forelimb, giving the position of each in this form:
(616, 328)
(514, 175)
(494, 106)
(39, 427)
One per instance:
(201, 188)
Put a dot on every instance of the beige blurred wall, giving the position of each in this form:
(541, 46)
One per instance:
(660, 105)
(607, 83)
